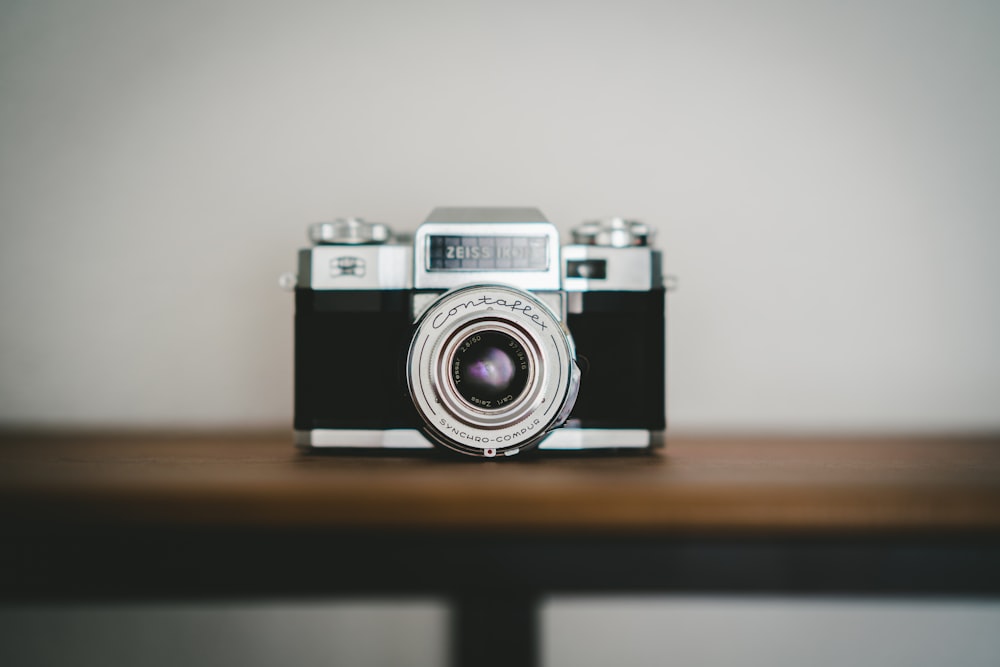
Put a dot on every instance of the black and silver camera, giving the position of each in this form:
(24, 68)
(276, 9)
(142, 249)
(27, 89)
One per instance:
(480, 333)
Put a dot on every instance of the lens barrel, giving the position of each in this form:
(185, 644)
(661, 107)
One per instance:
(491, 370)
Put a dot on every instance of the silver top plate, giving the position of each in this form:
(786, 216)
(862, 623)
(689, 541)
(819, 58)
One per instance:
(602, 268)
(356, 267)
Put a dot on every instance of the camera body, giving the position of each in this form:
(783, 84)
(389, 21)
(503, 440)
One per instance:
(480, 333)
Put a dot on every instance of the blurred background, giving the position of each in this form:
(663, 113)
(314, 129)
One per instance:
(823, 178)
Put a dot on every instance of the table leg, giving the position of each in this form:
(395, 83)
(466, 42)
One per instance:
(494, 628)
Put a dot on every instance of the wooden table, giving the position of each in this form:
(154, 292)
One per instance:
(159, 516)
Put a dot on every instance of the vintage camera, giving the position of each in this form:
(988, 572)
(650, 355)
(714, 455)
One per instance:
(481, 334)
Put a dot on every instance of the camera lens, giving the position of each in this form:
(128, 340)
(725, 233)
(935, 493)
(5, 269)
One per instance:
(490, 369)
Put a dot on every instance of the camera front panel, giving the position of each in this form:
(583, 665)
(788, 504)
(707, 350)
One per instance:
(349, 347)
(620, 344)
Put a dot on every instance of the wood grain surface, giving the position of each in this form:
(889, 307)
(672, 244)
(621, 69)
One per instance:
(724, 485)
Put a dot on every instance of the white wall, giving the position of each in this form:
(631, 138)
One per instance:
(823, 177)
(767, 632)
(579, 632)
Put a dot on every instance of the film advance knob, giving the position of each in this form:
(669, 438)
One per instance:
(614, 232)
(348, 231)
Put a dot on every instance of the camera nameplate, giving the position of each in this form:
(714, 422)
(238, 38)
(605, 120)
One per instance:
(528, 278)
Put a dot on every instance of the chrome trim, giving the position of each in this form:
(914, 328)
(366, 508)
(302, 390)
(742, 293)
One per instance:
(399, 438)
(356, 267)
(601, 438)
(405, 438)
(634, 269)
(487, 222)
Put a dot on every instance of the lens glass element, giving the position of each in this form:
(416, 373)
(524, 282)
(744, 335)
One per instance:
(490, 369)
